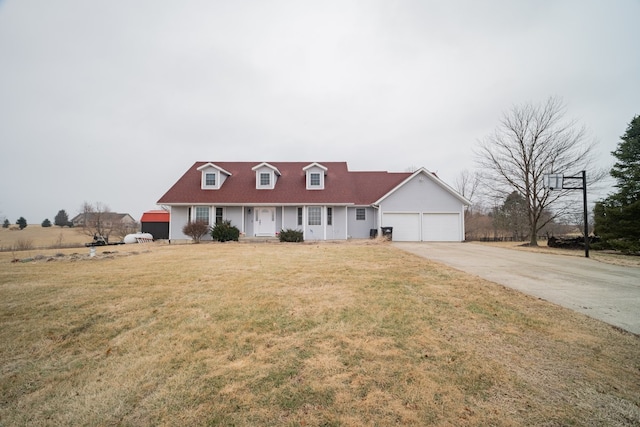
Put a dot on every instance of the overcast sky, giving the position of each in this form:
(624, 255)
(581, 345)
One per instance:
(112, 101)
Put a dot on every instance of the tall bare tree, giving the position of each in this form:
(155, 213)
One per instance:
(467, 184)
(530, 141)
(96, 221)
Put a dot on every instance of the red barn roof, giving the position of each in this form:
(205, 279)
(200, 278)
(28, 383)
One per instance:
(155, 216)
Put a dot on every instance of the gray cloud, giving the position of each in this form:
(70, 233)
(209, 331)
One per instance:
(112, 101)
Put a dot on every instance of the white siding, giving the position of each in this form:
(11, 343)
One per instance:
(178, 218)
(359, 229)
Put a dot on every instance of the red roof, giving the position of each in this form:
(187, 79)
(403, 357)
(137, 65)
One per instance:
(341, 186)
(155, 216)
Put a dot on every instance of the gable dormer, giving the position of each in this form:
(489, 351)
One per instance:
(213, 176)
(315, 176)
(266, 176)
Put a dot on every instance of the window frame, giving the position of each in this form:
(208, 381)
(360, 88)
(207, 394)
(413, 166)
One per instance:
(214, 179)
(219, 218)
(264, 179)
(198, 214)
(314, 213)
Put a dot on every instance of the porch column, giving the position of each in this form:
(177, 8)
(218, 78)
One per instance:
(304, 222)
(323, 217)
(346, 223)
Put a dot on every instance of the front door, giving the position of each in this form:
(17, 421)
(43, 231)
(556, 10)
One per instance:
(265, 221)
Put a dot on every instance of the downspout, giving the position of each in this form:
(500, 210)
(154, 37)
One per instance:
(462, 238)
(379, 218)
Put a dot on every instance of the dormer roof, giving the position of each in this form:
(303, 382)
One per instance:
(213, 165)
(265, 164)
(314, 164)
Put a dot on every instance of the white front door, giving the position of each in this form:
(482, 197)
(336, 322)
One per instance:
(265, 221)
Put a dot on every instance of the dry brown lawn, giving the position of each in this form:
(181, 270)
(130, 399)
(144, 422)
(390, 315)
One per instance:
(346, 334)
(37, 237)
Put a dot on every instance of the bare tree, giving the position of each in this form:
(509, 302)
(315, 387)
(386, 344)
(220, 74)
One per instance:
(530, 141)
(96, 220)
(196, 230)
(467, 184)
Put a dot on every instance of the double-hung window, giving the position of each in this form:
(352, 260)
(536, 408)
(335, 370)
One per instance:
(202, 214)
(265, 179)
(315, 215)
(210, 179)
(361, 214)
(219, 215)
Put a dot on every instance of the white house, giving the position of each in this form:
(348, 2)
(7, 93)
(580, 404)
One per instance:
(325, 200)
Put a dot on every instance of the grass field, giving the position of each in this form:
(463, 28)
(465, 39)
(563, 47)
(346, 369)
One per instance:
(343, 334)
(37, 237)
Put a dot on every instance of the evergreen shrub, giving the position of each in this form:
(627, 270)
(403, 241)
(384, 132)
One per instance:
(290, 235)
(224, 232)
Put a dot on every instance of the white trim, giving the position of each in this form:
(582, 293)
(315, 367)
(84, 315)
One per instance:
(213, 165)
(314, 164)
(270, 185)
(275, 169)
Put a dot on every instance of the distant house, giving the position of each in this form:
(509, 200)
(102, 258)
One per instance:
(107, 219)
(156, 223)
(326, 201)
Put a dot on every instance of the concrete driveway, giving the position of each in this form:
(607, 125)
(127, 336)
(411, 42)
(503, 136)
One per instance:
(606, 292)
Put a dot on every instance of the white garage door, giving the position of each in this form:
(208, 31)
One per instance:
(441, 227)
(406, 226)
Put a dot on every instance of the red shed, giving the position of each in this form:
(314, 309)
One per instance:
(156, 223)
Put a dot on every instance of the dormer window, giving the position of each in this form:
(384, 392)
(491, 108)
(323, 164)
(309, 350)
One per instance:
(314, 179)
(315, 176)
(266, 176)
(213, 176)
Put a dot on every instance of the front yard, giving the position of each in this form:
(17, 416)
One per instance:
(349, 334)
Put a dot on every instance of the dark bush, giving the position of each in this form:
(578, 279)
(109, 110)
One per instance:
(290, 235)
(224, 232)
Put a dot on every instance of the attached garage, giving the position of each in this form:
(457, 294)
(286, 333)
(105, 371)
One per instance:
(423, 209)
(424, 226)
(406, 226)
(441, 227)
